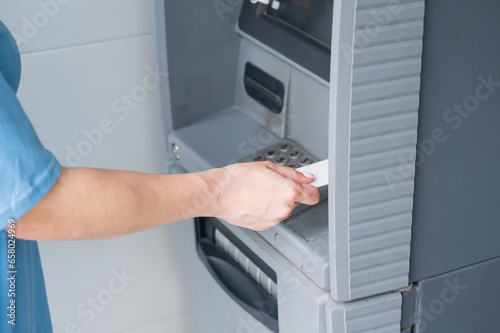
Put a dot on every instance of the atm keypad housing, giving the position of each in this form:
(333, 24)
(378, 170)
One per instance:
(286, 152)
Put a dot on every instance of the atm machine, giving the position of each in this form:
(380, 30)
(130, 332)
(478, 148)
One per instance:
(403, 98)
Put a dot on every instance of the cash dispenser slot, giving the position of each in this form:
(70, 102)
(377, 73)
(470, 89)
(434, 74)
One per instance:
(247, 279)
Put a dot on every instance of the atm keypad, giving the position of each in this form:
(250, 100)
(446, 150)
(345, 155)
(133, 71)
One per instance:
(281, 160)
(284, 147)
(286, 153)
(294, 154)
(271, 153)
(305, 161)
(290, 154)
(258, 158)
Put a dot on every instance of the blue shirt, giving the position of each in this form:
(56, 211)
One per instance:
(28, 172)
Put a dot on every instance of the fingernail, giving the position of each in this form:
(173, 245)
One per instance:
(308, 175)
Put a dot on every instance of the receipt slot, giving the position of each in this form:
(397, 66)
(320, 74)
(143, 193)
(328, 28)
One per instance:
(361, 84)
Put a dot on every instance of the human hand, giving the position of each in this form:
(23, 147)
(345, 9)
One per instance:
(260, 195)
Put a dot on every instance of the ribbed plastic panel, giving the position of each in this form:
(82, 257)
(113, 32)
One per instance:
(376, 314)
(375, 94)
(248, 265)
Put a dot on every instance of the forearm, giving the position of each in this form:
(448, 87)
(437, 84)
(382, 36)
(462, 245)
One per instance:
(93, 203)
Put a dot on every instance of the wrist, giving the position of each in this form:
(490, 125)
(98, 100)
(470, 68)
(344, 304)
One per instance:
(210, 197)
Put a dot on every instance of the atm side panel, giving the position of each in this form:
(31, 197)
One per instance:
(374, 98)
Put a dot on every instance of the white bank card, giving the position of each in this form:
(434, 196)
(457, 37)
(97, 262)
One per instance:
(320, 172)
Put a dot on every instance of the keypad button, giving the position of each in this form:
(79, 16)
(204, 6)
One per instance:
(284, 147)
(292, 165)
(294, 154)
(258, 158)
(271, 152)
(305, 161)
(281, 160)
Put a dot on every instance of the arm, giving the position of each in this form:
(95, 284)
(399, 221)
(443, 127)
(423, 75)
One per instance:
(94, 203)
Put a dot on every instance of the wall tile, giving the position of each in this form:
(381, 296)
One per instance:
(71, 95)
(178, 324)
(153, 289)
(49, 24)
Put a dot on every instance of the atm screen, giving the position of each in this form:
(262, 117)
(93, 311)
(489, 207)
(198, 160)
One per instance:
(298, 29)
(311, 17)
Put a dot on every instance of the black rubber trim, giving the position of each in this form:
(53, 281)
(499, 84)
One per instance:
(240, 286)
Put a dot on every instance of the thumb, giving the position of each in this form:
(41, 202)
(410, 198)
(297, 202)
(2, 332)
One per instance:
(299, 177)
(304, 177)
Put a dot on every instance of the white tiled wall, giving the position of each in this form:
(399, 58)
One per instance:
(81, 59)
(52, 24)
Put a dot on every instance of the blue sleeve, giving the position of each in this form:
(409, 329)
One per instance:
(27, 173)
(10, 61)
(28, 170)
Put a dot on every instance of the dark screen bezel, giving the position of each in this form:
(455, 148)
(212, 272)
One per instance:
(285, 39)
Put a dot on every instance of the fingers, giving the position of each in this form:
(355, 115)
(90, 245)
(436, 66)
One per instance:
(303, 178)
(308, 195)
(304, 193)
(260, 195)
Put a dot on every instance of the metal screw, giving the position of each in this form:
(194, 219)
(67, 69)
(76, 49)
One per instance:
(175, 151)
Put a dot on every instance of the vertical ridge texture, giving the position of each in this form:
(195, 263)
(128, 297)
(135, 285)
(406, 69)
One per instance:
(383, 80)
(375, 157)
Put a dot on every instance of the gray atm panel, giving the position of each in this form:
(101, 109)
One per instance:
(457, 183)
(199, 66)
(463, 301)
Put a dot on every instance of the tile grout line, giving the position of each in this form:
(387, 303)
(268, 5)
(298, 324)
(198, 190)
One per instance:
(85, 44)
